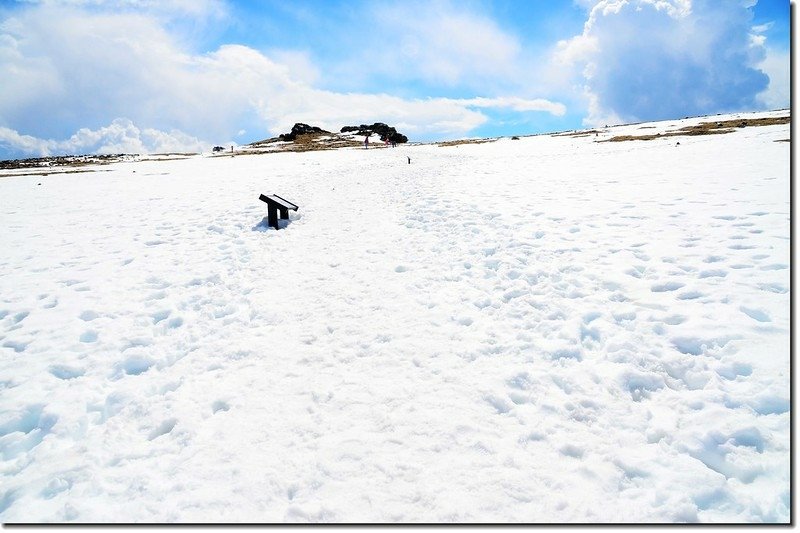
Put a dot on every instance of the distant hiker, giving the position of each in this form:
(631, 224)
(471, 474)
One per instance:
(366, 142)
(409, 160)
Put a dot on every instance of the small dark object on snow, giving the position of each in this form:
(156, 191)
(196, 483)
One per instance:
(38, 184)
(515, 138)
(217, 149)
(274, 204)
(409, 160)
(677, 143)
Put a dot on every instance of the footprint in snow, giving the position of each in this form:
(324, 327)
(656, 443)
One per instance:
(162, 429)
(733, 370)
(774, 266)
(135, 365)
(674, 320)
(65, 371)
(88, 315)
(220, 405)
(773, 287)
(50, 304)
(590, 316)
(570, 450)
(717, 273)
(17, 346)
(89, 336)
(499, 404)
(668, 286)
(175, 322)
(158, 316)
(756, 314)
(690, 295)
(158, 295)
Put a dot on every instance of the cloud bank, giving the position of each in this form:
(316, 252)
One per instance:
(130, 83)
(137, 75)
(120, 137)
(659, 59)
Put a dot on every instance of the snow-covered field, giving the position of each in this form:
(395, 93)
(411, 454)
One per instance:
(548, 329)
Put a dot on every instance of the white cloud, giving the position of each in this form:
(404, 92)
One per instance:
(652, 59)
(441, 46)
(121, 136)
(417, 117)
(76, 70)
(517, 104)
(444, 117)
(776, 66)
(437, 42)
(301, 67)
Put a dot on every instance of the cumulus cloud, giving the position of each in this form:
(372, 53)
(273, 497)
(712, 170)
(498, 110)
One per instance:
(71, 68)
(776, 66)
(121, 136)
(658, 59)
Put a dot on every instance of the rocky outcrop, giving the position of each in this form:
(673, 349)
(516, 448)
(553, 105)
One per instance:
(385, 131)
(300, 129)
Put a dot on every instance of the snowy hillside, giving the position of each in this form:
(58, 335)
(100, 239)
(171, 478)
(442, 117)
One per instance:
(549, 329)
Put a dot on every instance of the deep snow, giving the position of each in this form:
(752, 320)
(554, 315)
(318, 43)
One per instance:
(548, 329)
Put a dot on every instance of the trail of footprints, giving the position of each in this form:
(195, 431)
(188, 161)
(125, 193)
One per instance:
(498, 261)
(134, 355)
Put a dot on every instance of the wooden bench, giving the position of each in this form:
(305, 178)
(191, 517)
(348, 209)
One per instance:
(274, 204)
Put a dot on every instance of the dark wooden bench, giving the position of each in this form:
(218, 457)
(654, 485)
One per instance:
(274, 204)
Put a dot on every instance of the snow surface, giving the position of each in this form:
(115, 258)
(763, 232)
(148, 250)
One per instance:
(548, 329)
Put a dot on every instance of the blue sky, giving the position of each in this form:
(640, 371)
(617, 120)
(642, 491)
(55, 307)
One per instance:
(162, 75)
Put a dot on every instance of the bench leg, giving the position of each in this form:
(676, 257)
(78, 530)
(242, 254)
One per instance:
(272, 216)
(284, 213)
